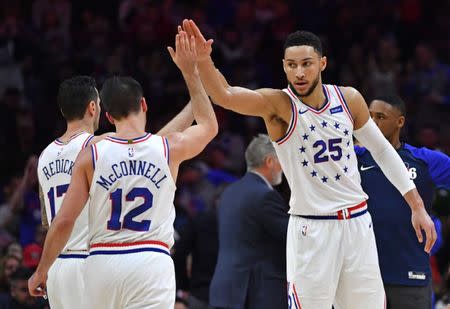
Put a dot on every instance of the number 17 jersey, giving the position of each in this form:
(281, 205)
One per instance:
(131, 194)
(55, 172)
(317, 156)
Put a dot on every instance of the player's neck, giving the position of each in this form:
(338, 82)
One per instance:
(130, 127)
(395, 141)
(316, 99)
(75, 127)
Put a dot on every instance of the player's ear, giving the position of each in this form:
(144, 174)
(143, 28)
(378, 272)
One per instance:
(284, 65)
(144, 105)
(401, 121)
(110, 119)
(323, 63)
(92, 107)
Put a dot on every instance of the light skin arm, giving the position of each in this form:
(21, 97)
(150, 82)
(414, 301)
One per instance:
(189, 143)
(238, 99)
(98, 138)
(180, 122)
(44, 219)
(61, 227)
(419, 216)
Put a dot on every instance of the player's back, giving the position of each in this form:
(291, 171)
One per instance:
(55, 172)
(131, 195)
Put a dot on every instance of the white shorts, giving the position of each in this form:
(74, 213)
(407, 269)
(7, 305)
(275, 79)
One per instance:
(140, 280)
(333, 262)
(65, 283)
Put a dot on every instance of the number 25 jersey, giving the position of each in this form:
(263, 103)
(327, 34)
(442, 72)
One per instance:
(317, 156)
(132, 192)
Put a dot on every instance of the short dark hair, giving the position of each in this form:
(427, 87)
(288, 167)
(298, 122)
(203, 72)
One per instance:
(74, 95)
(393, 100)
(307, 38)
(21, 273)
(121, 96)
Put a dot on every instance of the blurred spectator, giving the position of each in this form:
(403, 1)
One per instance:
(10, 263)
(16, 250)
(429, 81)
(444, 302)
(194, 274)
(18, 296)
(32, 252)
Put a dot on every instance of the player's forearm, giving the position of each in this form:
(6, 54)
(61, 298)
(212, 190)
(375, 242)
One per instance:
(180, 122)
(215, 84)
(413, 199)
(56, 239)
(201, 106)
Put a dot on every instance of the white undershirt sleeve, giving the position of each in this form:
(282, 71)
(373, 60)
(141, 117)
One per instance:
(385, 155)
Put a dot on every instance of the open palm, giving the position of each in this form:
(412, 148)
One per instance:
(204, 47)
(184, 55)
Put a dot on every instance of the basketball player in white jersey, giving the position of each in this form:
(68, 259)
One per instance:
(130, 180)
(331, 250)
(78, 100)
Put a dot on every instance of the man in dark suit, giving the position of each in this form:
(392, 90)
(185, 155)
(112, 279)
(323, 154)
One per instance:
(252, 217)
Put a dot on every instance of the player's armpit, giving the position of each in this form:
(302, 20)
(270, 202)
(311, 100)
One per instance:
(188, 144)
(180, 122)
(358, 106)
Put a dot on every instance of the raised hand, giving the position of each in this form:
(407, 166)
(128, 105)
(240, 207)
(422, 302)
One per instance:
(204, 47)
(185, 54)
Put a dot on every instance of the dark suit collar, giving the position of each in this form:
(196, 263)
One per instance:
(258, 177)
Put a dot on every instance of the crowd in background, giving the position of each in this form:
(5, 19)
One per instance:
(379, 47)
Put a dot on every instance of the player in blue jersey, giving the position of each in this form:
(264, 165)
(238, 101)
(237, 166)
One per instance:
(404, 265)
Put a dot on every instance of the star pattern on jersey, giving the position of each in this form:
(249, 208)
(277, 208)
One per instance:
(306, 149)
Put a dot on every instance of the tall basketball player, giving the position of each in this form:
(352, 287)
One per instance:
(130, 180)
(79, 103)
(331, 251)
(78, 100)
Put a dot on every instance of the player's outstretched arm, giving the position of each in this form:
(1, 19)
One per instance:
(98, 138)
(61, 227)
(238, 99)
(180, 122)
(193, 140)
(368, 134)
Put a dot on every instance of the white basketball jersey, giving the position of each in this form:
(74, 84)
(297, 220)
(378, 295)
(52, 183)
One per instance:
(54, 173)
(132, 192)
(317, 156)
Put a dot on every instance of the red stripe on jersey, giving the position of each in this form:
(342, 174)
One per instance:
(119, 245)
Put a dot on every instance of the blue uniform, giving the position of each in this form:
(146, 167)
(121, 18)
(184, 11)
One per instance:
(401, 257)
